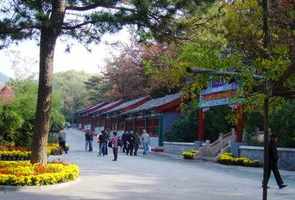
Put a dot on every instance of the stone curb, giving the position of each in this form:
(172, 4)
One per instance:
(9, 188)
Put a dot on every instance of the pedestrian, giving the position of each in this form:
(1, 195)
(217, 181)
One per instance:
(136, 143)
(145, 139)
(124, 141)
(91, 134)
(115, 145)
(105, 139)
(131, 142)
(127, 137)
(99, 142)
(87, 140)
(273, 163)
(62, 141)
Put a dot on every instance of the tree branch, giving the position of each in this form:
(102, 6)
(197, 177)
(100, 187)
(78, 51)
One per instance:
(15, 29)
(289, 71)
(68, 27)
(98, 5)
(284, 93)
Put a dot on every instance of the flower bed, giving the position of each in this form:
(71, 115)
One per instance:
(23, 173)
(189, 154)
(9, 152)
(229, 159)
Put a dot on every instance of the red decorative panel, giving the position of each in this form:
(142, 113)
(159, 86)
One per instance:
(153, 126)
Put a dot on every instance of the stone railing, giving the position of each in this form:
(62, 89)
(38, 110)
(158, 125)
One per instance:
(286, 155)
(178, 147)
(213, 149)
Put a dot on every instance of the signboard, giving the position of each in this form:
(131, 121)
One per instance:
(218, 95)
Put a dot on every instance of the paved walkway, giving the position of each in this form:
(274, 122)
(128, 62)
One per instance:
(153, 178)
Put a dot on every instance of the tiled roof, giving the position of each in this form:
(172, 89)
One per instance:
(107, 107)
(91, 108)
(126, 104)
(154, 103)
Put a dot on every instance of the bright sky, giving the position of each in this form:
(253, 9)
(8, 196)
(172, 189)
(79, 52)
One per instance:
(78, 58)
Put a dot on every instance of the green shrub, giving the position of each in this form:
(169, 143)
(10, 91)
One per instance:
(10, 122)
(184, 129)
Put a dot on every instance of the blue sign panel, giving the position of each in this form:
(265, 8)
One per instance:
(220, 88)
(218, 95)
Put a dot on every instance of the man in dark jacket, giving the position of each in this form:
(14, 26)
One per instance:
(136, 143)
(124, 141)
(273, 162)
(104, 141)
(127, 137)
(87, 140)
(131, 142)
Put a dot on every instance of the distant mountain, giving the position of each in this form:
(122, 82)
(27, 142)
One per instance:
(3, 78)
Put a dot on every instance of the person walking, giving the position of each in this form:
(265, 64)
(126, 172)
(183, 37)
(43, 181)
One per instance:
(99, 141)
(131, 141)
(124, 141)
(136, 143)
(91, 134)
(62, 141)
(105, 139)
(145, 138)
(87, 140)
(127, 137)
(273, 163)
(115, 145)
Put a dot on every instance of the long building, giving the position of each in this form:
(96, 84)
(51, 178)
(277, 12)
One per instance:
(154, 115)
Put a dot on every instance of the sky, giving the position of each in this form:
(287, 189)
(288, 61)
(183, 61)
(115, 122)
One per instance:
(24, 56)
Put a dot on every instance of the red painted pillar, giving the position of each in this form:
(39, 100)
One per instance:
(125, 124)
(201, 126)
(104, 123)
(134, 124)
(239, 123)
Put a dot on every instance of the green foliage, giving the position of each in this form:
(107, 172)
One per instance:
(18, 118)
(10, 122)
(217, 120)
(184, 129)
(73, 95)
(282, 122)
(24, 19)
(230, 36)
(57, 121)
(25, 105)
(97, 88)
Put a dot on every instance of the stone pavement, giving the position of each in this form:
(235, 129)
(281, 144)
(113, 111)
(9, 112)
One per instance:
(153, 178)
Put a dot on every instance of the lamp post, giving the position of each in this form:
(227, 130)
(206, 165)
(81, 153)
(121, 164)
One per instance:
(268, 93)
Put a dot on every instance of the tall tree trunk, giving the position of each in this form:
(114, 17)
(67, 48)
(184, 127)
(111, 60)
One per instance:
(49, 34)
(40, 137)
